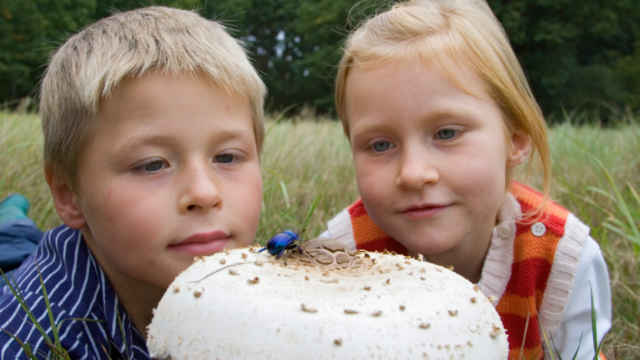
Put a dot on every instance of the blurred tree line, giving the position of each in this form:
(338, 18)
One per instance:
(579, 56)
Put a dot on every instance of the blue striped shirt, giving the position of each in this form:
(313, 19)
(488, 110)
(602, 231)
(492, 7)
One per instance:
(92, 323)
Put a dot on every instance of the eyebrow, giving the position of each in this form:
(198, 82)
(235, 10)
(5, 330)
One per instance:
(164, 139)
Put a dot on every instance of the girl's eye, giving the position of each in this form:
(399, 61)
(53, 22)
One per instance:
(381, 146)
(225, 158)
(446, 134)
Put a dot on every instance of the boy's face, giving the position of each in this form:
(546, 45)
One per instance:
(430, 158)
(170, 171)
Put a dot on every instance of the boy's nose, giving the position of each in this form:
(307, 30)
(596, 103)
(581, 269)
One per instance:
(416, 170)
(202, 191)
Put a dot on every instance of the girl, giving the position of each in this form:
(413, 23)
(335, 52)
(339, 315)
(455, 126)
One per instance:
(439, 113)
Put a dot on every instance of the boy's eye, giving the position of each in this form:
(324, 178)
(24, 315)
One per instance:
(446, 134)
(224, 158)
(152, 166)
(381, 146)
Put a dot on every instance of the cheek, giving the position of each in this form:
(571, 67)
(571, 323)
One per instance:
(373, 182)
(247, 197)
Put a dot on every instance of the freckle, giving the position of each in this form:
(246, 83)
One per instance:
(244, 256)
(223, 261)
(424, 325)
(253, 281)
(232, 272)
(473, 300)
(176, 289)
(476, 288)
(197, 293)
(453, 313)
(377, 313)
(388, 281)
(367, 288)
(337, 342)
(402, 307)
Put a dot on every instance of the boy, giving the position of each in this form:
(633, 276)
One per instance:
(153, 125)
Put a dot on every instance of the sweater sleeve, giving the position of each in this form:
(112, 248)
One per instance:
(575, 327)
(339, 233)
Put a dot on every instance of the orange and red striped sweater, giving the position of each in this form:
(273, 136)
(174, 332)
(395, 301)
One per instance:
(533, 292)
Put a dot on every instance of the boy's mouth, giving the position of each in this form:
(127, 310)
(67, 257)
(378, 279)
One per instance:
(202, 243)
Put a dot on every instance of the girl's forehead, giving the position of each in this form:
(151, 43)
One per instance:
(460, 72)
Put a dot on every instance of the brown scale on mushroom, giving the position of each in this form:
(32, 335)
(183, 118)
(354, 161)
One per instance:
(307, 309)
(244, 255)
(253, 281)
(473, 300)
(402, 307)
(453, 313)
(495, 331)
(233, 272)
(424, 326)
(337, 342)
(350, 311)
(377, 313)
(176, 289)
(223, 261)
(197, 293)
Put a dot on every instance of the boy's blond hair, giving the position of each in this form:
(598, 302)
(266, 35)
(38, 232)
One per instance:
(90, 64)
(445, 32)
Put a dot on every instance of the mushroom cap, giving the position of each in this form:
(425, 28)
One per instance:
(321, 304)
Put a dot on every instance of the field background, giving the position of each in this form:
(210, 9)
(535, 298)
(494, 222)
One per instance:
(307, 161)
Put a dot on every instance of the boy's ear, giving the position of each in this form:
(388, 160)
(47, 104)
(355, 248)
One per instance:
(65, 200)
(520, 148)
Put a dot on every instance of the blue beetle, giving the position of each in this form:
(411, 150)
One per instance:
(280, 243)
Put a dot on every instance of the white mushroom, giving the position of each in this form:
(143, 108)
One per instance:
(323, 305)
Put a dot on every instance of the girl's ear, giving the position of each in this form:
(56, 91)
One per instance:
(65, 200)
(520, 148)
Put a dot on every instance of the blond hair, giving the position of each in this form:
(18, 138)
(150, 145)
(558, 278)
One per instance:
(450, 33)
(90, 64)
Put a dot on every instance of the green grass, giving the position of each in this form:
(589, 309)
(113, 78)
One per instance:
(307, 164)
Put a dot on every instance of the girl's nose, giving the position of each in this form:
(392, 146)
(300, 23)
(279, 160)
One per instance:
(416, 170)
(201, 191)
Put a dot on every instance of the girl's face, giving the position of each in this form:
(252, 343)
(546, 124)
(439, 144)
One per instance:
(431, 158)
